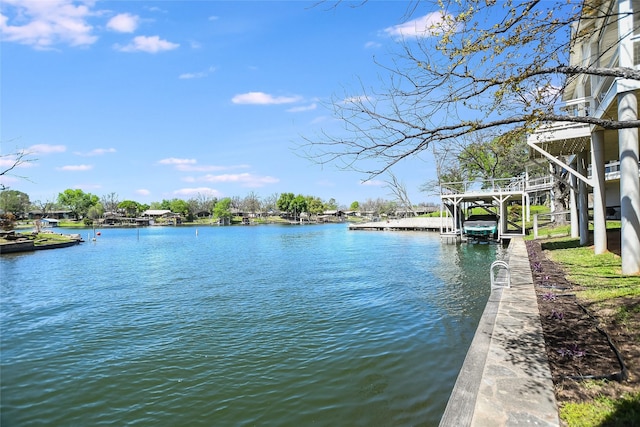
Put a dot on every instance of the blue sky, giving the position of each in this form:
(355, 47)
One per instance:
(171, 99)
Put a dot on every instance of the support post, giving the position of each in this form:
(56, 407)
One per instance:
(597, 170)
(573, 208)
(583, 200)
(629, 185)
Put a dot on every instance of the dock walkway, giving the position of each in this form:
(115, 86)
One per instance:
(405, 224)
(505, 379)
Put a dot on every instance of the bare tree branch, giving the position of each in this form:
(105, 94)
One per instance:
(8, 162)
(399, 191)
(467, 75)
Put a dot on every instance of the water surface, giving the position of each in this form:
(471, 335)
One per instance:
(255, 325)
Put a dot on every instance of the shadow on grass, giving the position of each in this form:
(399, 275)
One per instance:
(562, 244)
(626, 412)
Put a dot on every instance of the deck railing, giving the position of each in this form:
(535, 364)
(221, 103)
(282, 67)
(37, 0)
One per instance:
(480, 186)
(611, 170)
(506, 185)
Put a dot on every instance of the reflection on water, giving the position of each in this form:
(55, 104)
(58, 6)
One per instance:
(266, 325)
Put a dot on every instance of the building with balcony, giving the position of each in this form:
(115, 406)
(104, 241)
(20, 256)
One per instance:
(609, 38)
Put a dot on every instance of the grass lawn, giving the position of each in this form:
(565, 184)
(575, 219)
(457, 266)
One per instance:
(603, 411)
(615, 300)
(41, 238)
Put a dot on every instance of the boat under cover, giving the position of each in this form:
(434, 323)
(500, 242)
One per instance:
(482, 226)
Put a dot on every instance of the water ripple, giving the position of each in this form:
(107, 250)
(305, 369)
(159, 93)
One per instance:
(238, 326)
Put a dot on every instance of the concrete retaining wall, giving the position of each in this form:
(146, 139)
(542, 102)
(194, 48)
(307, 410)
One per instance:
(505, 379)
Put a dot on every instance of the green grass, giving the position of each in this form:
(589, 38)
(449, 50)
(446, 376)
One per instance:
(601, 281)
(42, 238)
(550, 230)
(603, 412)
(599, 275)
(624, 314)
(47, 238)
(539, 209)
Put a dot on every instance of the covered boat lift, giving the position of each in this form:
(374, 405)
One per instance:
(492, 196)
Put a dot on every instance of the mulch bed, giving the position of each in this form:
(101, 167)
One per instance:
(583, 341)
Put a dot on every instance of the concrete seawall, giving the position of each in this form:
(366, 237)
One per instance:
(505, 379)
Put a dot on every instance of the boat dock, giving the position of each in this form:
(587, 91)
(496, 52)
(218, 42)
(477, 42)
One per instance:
(491, 197)
(405, 224)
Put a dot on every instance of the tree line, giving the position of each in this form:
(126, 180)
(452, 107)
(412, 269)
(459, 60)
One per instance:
(89, 207)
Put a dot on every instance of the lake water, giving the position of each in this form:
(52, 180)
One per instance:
(238, 326)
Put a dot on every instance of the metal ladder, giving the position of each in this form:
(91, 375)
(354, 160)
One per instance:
(500, 275)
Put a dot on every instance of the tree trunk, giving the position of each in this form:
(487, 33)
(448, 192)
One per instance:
(560, 194)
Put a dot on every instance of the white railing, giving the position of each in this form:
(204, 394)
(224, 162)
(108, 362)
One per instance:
(480, 186)
(611, 170)
(579, 107)
(540, 183)
(551, 218)
(517, 184)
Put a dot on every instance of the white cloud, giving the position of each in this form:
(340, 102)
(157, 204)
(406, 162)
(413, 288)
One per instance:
(176, 161)
(187, 76)
(198, 75)
(8, 181)
(75, 168)
(198, 168)
(44, 24)
(151, 44)
(246, 179)
(303, 108)
(143, 192)
(360, 99)
(196, 191)
(214, 18)
(96, 152)
(261, 98)
(373, 183)
(46, 149)
(123, 23)
(427, 25)
(7, 162)
(155, 9)
(372, 45)
(189, 165)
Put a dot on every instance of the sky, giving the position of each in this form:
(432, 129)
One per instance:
(175, 99)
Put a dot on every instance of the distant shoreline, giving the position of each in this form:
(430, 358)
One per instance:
(12, 243)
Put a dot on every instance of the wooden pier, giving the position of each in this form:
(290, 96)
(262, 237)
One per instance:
(405, 224)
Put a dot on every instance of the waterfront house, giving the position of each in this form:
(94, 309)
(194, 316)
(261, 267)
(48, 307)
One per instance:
(603, 162)
(161, 216)
(56, 214)
(156, 213)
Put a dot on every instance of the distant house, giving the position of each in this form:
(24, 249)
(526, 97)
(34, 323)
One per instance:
(331, 216)
(165, 214)
(141, 222)
(50, 222)
(157, 213)
(60, 214)
(203, 214)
